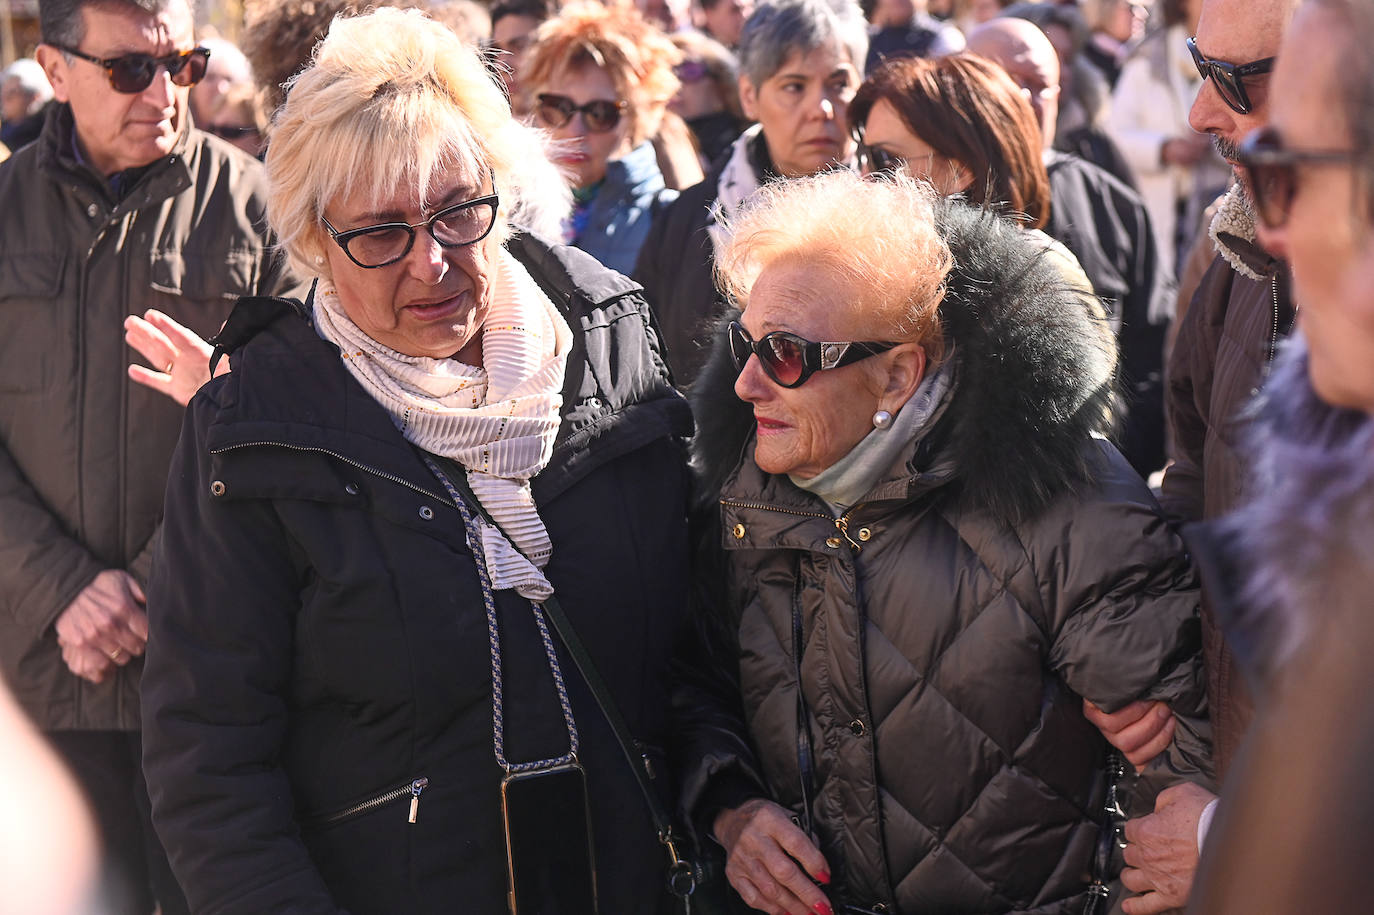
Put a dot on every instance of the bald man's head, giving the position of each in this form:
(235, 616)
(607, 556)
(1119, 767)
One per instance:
(1021, 49)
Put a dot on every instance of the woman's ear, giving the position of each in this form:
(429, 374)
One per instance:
(906, 371)
(748, 97)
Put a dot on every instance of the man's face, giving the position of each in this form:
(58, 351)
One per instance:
(1237, 32)
(121, 130)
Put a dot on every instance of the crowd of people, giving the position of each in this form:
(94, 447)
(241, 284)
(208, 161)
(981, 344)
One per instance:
(640, 457)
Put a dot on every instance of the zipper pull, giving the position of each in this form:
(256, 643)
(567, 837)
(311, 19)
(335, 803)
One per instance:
(420, 784)
(842, 524)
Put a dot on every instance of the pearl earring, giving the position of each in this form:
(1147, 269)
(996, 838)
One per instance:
(319, 259)
(882, 419)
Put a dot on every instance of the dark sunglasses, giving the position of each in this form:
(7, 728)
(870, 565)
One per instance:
(691, 71)
(133, 73)
(599, 115)
(1272, 172)
(1229, 79)
(789, 360)
(462, 224)
(876, 159)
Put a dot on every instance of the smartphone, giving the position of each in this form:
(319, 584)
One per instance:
(549, 861)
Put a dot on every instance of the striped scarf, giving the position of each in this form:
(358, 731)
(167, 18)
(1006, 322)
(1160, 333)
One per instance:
(499, 421)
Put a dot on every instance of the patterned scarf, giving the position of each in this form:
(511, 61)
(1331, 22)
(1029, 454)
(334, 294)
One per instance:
(499, 421)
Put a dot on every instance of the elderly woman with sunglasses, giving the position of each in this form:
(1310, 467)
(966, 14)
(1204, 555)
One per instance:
(352, 694)
(600, 79)
(1296, 825)
(929, 558)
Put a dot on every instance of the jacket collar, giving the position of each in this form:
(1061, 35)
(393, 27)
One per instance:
(1233, 233)
(163, 178)
(290, 387)
(633, 175)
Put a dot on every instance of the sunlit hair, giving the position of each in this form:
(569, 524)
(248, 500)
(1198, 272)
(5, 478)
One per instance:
(637, 57)
(392, 99)
(878, 235)
(968, 110)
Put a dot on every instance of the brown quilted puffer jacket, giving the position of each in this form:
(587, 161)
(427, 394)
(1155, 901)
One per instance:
(950, 624)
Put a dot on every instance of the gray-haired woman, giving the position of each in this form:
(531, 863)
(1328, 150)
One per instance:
(800, 63)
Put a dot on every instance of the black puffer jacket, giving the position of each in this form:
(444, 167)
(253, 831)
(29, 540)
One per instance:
(318, 635)
(951, 623)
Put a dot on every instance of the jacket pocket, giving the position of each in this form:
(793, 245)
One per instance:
(31, 316)
(411, 791)
(200, 277)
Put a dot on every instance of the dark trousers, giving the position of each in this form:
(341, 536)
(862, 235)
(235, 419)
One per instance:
(135, 876)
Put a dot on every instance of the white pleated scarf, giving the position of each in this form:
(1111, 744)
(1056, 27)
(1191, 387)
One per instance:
(499, 421)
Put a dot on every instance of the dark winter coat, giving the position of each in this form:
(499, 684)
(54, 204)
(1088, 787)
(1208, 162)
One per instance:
(952, 621)
(1105, 224)
(675, 267)
(319, 640)
(1219, 362)
(83, 449)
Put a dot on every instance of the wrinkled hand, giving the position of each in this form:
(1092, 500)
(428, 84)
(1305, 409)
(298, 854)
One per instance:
(1141, 730)
(106, 619)
(181, 359)
(764, 848)
(1161, 851)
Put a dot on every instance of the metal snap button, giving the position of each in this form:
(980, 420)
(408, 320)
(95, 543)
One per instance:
(865, 534)
(833, 542)
(426, 512)
(878, 907)
(92, 210)
(594, 403)
(217, 488)
(857, 728)
(738, 531)
(351, 489)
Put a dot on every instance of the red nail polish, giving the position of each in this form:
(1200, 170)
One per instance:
(823, 876)
(823, 908)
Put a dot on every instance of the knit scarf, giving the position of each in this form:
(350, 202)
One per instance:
(498, 420)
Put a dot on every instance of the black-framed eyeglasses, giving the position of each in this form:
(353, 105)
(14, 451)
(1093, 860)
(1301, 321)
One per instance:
(1272, 171)
(132, 73)
(386, 243)
(789, 360)
(1229, 79)
(599, 115)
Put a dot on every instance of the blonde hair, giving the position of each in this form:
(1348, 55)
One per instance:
(637, 57)
(878, 234)
(391, 99)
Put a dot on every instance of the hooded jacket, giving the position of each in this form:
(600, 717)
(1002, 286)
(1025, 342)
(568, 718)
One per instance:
(318, 699)
(83, 449)
(944, 631)
(1240, 314)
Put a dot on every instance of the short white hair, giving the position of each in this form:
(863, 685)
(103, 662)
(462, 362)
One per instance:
(31, 78)
(391, 99)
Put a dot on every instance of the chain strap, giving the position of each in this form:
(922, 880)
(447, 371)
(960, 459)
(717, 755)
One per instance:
(498, 723)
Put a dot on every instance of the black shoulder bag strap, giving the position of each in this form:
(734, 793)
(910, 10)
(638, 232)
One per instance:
(682, 873)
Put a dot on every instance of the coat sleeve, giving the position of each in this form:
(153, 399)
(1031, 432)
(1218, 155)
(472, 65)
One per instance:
(716, 763)
(1190, 393)
(221, 607)
(45, 567)
(1134, 109)
(1122, 600)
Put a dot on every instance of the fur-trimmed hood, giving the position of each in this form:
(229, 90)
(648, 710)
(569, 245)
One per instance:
(1233, 234)
(1307, 539)
(1034, 378)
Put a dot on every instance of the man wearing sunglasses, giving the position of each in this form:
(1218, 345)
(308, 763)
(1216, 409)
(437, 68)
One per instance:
(1228, 337)
(119, 206)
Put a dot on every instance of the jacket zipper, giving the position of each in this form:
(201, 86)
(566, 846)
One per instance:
(334, 454)
(381, 800)
(841, 523)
